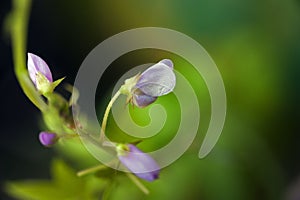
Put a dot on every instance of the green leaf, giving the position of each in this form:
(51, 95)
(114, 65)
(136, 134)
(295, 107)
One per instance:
(56, 83)
(74, 150)
(65, 176)
(34, 190)
(64, 185)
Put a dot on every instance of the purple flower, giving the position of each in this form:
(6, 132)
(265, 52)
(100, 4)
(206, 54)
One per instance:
(36, 66)
(140, 163)
(157, 80)
(47, 139)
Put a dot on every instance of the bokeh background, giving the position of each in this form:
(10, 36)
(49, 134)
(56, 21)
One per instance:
(256, 46)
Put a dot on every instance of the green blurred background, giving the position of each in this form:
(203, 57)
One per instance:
(256, 46)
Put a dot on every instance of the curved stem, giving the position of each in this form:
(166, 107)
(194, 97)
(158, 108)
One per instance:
(105, 117)
(18, 30)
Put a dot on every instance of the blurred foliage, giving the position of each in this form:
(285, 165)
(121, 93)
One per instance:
(64, 185)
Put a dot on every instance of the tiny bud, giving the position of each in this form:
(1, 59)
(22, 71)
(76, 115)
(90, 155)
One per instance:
(47, 139)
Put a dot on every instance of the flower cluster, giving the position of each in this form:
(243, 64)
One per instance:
(141, 90)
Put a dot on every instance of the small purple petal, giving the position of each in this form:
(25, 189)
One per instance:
(142, 100)
(47, 139)
(36, 64)
(167, 62)
(140, 163)
(157, 80)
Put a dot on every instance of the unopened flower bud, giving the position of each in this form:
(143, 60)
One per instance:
(47, 139)
(40, 74)
(36, 66)
(138, 162)
(158, 80)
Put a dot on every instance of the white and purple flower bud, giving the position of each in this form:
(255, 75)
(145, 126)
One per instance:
(48, 139)
(40, 74)
(157, 80)
(37, 65)
(138, 162)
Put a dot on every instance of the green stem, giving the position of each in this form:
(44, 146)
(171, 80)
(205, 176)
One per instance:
(105, 117)
(69, 135)
(94, 169)
(91, 170)
(138, 183)
(18, 20)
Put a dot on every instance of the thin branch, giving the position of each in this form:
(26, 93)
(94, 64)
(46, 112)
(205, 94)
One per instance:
(138, 183)
(105, 117)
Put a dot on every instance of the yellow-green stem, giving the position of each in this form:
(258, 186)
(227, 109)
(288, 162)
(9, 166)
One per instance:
(91, 170)
(95, 168)
(69, 135)
(105, 117)
(137, 182)
(17, 22)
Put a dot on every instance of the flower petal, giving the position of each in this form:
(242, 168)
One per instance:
(167, 62)
(142, 100)
(36, 64)
(140, 163)
(157, 80)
